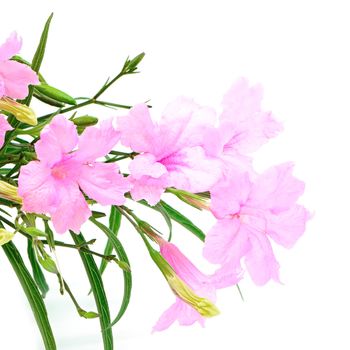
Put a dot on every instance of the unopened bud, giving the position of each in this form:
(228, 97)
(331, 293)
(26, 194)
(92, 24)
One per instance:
(5, 236)
(204, 306)
(9, 192)
(21, 112)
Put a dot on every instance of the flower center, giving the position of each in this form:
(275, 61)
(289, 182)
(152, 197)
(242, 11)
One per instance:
(59, 172)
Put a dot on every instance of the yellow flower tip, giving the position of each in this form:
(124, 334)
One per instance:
(5, 236)
(204, 306)
(21, 112)
(9, 192)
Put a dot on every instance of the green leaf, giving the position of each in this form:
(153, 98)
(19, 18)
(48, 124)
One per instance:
(33, 231)
(126, 274)
(167, 219)
(114, 225)
(33, 295)
(38, 275)
(183, 220)
(98, 291)
(48, 264)
(39, 56)
(88, 314)
(55, 94)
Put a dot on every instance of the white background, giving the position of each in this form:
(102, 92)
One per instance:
(299, 51)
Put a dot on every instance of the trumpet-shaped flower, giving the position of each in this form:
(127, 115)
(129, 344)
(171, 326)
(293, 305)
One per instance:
(15, 77)
(170, 151)
(52, 184)
(200, 283)
(4, 126)
(249, 215)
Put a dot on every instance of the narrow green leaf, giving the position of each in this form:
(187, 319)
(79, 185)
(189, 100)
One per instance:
(114, 225)
(39, 56)
(167, 219)
(183, 221)
(118, 247)
(55, 94)
(98, 291)
(33, 295)
(38, 275)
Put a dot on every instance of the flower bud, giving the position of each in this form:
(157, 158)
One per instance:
(9, 192)
(21, 112)
(199, 201)
(5, 236)
(204, 306)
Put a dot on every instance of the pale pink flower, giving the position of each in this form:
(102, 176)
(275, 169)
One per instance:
(53, 184)
(170, 151)
(243, 127)
(15, 77)
(249, 215)
(4, 126)
(201, 284)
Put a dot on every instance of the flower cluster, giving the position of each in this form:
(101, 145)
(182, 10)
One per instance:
(203, 156)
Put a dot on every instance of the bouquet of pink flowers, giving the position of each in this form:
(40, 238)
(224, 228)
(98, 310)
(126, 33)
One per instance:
(55, 167)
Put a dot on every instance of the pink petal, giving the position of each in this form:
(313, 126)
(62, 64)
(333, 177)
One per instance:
(37, 188)
(148, 188)
(187, 121)
(11, 47)
(184, 268)
(138, 122)
(72, 210)
(181, 312)
(287, 227)
(168, 317)
(243, 118)
(103, 183)
(276, 189)
(192, 170)
(229, 195)
(260, 260)
(57, 139)
(4, 126)
(146, 164)
(96, 142)
(229, 274)
(16, 78)
(227, 241)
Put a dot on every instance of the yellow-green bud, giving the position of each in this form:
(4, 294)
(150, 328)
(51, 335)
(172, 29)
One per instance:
(21, 112)
(204, 306)
(5, 236)
(9, 192)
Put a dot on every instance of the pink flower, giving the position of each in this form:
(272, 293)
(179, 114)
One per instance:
(243, 127)
(4, 126)
(249, 215)
(170, 151)
(52, 184)
(14, 76)
(200, 283)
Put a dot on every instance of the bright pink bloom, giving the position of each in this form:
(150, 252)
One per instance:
(201, 284)
(4, 126)
(243, 127)
(52, 184)
(14, 76)
(170, 151)
(251, 213)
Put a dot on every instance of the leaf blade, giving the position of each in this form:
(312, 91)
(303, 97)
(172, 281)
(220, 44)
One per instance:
(30, 289)
(98, 291)
(118, 247)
